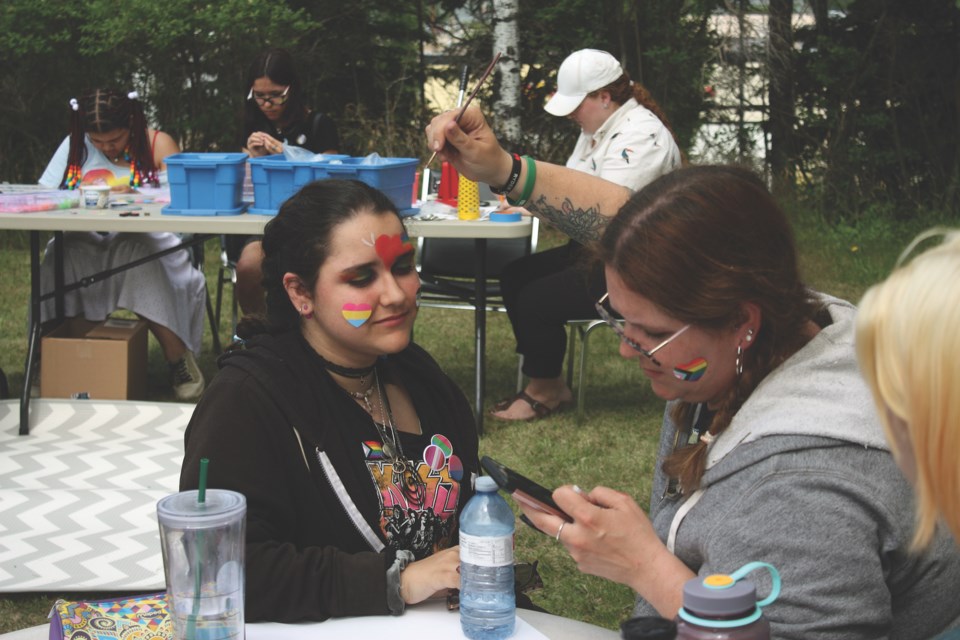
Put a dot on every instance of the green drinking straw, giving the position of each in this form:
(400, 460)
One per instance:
(201, 499)
(202, 486)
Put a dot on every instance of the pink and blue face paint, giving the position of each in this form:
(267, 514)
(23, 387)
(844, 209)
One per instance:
(691, 371)
(356, 314)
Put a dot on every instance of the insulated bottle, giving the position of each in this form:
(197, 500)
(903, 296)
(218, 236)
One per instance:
(725, 607)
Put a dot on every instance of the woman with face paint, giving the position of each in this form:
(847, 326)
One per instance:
(354, 450)
(770, 448)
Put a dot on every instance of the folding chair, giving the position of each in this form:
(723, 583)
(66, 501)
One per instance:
(446, 269)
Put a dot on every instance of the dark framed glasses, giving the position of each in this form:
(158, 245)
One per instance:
(618, 329)
(263, 99)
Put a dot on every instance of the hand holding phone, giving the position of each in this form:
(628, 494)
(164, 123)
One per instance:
(522, 489)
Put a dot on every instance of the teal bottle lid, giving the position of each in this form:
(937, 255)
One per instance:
(721, 596)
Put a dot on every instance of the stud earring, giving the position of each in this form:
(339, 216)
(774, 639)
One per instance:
(749, 336)
(304, 310)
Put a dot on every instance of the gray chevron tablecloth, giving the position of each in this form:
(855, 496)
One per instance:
(78, 495)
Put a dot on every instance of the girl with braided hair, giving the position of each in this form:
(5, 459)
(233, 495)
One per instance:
(110, 143)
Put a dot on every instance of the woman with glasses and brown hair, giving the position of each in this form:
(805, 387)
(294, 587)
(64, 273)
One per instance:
(770, 448)
(274, 115)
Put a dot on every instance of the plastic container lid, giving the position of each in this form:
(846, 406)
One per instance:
(719, 595)
(486, 483)
(182, 510)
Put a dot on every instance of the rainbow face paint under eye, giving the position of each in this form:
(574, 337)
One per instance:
(356, 314)
(389, 248)
(692, 371)
(359, 277)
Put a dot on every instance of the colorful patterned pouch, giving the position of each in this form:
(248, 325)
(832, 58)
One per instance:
(130, 618)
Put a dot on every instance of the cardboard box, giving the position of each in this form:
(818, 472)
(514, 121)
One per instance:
(106, 360)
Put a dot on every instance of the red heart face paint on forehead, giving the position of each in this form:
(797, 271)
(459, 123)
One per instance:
(389, 248)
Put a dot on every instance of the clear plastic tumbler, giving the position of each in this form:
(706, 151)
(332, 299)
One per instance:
(203, 547)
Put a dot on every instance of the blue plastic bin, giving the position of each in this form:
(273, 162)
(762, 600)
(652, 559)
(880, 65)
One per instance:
(275, 178)
(206, 184)
(394, 176)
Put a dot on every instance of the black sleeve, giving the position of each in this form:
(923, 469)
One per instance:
(289, 578)
(322, 134)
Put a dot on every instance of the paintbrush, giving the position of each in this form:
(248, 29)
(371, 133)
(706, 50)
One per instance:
(466, 104)
(463, 85)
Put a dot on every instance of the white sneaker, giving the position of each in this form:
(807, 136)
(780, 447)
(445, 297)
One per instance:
(188, 380)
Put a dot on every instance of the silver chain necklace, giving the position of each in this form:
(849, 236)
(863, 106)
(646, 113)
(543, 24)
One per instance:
(411, 484)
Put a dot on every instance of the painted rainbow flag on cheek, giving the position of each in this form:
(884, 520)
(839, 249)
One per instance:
(356, 314)
(692, 371)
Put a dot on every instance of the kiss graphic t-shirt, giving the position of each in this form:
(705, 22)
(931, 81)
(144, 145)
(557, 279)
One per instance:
(419, 494)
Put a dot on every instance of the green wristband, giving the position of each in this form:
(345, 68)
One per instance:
(527, 184)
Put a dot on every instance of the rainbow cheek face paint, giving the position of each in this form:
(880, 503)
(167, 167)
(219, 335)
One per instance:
(692, 371)
(356, 314)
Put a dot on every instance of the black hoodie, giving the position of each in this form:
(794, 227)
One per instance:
(278, 429)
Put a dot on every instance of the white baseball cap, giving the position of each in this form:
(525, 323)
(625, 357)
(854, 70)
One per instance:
(582, 72)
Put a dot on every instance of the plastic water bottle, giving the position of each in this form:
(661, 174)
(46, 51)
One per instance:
(725, 607)
(488, 606)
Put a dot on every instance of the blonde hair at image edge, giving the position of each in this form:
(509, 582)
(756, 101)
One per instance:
(908, 344)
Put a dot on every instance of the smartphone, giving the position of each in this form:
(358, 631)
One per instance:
(522, 489)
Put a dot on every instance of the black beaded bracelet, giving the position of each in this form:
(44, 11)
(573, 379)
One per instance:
(512, 180)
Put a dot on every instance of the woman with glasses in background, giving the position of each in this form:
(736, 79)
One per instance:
(770, 448)
(274, 115)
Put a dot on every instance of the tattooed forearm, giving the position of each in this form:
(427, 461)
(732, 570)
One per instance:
(583, 225)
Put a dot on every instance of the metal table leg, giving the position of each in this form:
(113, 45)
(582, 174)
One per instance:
(480, 320)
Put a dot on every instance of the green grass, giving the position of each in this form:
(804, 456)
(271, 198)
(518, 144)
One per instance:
(614, 447)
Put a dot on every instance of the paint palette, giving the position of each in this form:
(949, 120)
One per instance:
(38, 201)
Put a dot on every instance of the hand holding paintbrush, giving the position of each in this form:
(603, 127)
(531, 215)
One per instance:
(476, 89)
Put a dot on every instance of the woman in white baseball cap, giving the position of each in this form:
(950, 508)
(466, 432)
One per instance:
(626, 139)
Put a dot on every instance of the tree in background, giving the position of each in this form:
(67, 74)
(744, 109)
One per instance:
(859, 103)
(359, 62)
(506, 41)
(664, 44)
(878, 97)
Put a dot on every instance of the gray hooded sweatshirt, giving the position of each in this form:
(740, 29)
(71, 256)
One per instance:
(803, 479)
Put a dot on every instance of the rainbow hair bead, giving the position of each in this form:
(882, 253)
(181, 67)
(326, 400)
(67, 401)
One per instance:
(73, 176)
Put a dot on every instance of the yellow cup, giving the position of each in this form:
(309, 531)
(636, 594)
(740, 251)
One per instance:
(468, 199)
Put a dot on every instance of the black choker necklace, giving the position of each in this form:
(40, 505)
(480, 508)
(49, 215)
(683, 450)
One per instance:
(347, 372)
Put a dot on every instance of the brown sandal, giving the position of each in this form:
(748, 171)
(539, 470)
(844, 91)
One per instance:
(540, 410)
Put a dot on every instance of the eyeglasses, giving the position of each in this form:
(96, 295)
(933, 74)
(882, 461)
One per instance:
(618, 329)
(269, 98)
